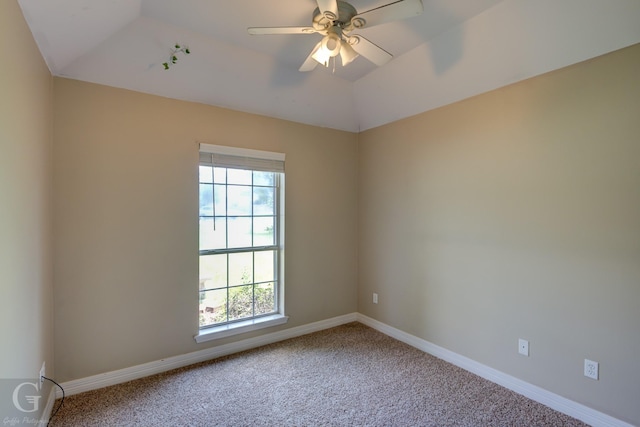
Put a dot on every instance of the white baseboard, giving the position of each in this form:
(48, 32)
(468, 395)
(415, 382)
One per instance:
(139, 371)
(547, 398)
(46, 414)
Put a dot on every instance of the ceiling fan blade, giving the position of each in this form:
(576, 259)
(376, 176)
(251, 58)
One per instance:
(401, 9)
(329, 8)
(280, 30)
(372, 52)
(310, 63)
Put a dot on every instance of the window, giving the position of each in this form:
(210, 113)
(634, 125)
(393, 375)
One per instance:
(241, 237)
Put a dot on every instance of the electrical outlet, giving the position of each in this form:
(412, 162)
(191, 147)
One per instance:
(375, 298)
(590, 369)
(43, 373)
(523, 347)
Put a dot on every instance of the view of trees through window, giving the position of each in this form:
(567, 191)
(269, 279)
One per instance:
(238, 244)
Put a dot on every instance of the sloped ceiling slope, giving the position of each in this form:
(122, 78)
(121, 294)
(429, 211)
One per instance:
(455, 49)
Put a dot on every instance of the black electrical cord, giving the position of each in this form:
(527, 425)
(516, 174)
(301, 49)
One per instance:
(61, 401)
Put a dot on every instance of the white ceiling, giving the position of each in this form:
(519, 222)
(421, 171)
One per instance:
(454, 50)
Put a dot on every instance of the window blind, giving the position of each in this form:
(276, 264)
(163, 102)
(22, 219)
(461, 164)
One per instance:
(241, 158)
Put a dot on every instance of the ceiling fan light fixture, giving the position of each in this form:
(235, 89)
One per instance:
(348, 54)
(330, 47)
(331, 43)
(321, 55)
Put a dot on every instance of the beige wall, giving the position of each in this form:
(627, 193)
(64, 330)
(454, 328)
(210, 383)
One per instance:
(516, 214)
(26, 326)
(126, 222)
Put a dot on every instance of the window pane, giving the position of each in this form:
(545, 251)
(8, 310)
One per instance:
(239, 232)
(263, 231)
(206, 174)
(213, 271)
(240, 302)
(264, 266)
(264, 298)
(262, 178)
(240, 268)
(220, 199)
(238, 176)
(220, 175)
(213, 307)
(239, 199)
(263, 200)
(206, 200)
(212, 237)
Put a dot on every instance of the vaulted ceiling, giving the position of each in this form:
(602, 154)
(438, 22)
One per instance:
(453, 50)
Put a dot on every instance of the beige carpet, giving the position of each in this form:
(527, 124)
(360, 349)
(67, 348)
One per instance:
(350, 375)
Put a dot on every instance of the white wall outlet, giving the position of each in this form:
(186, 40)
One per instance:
(523, 347)
(375, 298)
(590, 369)
(43, 373)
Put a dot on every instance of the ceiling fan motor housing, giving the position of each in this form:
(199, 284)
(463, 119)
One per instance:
(345, 13)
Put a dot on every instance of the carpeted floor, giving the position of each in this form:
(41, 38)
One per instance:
(350, 375)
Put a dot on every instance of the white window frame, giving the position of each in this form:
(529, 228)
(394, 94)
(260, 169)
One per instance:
(239, 327)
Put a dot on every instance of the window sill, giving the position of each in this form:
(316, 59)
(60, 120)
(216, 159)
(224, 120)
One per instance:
(232, 329)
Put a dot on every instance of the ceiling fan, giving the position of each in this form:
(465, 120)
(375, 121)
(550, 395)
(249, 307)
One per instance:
(335, 20)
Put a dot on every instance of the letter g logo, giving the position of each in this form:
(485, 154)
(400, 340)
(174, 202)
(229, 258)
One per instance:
(34, 400)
